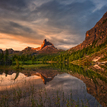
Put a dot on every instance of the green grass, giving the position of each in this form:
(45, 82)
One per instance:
(35, 66)
(29, 62)
(13, 67)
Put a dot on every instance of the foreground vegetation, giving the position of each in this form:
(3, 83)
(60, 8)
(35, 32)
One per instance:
(39, 97)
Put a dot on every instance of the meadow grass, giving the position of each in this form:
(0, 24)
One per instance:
(14, 67)
(28, 62)
(35, 66)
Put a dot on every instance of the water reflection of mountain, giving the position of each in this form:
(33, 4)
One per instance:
(96, 88)
(45, 76)
(62, 83)
(95, 82)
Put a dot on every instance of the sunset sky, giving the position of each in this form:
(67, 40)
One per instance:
(63, 22)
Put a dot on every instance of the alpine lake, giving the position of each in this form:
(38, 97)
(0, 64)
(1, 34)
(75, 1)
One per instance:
(56, 85)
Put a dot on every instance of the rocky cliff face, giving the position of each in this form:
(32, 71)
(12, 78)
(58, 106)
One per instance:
(97, 35)
(48, 48)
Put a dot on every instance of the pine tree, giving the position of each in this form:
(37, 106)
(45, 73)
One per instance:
(6, 55)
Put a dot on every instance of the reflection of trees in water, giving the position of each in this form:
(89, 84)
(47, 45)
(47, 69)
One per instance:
(80, 70)
(96, 83)
(6, 72)
(9, 72)
(17, 74)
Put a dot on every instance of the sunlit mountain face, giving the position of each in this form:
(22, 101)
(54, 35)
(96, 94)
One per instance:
(64, 23)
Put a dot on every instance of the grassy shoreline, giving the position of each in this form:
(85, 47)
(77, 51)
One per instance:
(21, 67)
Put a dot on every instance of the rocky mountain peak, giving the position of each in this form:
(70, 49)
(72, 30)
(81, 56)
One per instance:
(97, 35)
(46, 48)
(46, 43)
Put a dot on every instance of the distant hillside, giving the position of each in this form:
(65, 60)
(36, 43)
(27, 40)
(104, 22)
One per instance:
(95, 36)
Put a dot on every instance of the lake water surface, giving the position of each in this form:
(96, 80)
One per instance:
(64, 86)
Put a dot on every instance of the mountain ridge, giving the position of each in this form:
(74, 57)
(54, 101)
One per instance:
(95, 36)
(45, 48)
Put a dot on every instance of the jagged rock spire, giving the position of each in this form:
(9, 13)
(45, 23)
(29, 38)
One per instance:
(46, 43)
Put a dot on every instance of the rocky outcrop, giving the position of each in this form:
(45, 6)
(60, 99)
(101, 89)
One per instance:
(46, 43)
(48, 48)
(97, 35)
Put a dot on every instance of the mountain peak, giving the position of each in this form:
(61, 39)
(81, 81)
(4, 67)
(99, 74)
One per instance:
(46, 43)
(97, 35)
(46, 48)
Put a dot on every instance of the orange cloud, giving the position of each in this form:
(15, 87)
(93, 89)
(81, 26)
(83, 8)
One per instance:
(17, 43)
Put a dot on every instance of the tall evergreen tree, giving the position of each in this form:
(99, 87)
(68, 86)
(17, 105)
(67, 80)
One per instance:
(6, 55)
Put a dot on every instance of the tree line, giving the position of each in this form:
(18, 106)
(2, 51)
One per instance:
(4, 58)
(62, 57)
